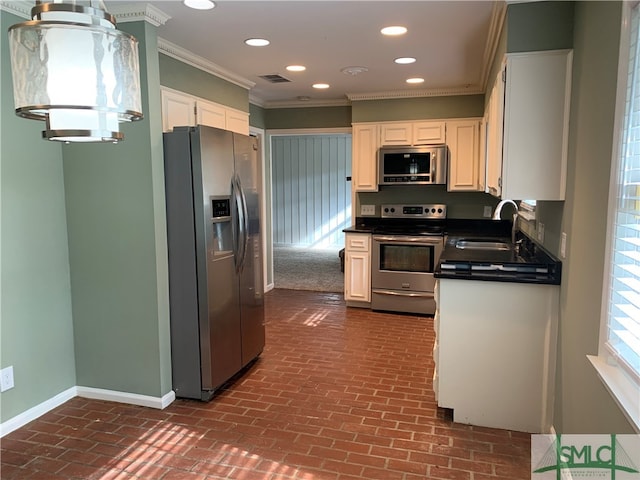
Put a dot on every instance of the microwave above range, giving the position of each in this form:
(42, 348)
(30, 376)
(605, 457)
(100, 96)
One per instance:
(426, 165)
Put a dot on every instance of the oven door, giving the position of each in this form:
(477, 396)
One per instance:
(402, 272)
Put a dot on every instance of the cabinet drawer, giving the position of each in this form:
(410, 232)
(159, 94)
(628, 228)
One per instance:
(357, 243)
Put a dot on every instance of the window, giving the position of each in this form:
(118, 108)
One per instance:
(618, 362)
(623, 315)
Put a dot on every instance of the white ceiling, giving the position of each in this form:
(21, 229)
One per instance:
(453, 42)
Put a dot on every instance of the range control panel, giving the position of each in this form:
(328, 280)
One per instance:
(414, 211)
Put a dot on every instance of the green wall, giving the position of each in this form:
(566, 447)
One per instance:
(117, 248)
(36, 329)
(257, 116)
(308, 117)
(455, 106)
(582, 403)
(459, 204)
(185, 78)
(539, 26)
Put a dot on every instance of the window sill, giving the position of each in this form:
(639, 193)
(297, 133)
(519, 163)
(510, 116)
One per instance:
(625, 392)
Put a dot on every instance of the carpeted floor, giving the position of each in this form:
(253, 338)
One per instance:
(300, 268)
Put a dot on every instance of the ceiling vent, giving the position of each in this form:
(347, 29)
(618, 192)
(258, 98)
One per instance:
(275, 78)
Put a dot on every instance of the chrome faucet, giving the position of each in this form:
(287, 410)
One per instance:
(498, 211)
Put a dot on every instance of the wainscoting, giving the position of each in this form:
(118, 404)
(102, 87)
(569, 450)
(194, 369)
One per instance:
(311, 195)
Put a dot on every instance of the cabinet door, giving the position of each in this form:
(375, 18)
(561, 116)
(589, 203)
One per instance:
(428, 133)
(482, 165)
(494, 138)
(357, 268)
(178, 110)
(237, 121)
(364, 167)
(536, 124)
(396, 134)
(464, 152)
(211, 114)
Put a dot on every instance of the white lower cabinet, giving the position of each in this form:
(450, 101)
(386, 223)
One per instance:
(357, 268)
(495, 353)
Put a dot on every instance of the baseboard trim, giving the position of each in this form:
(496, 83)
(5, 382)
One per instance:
(125, 397)
(27, 416)
(33, 413)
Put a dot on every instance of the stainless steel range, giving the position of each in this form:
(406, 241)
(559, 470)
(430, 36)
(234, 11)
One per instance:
(407, 244)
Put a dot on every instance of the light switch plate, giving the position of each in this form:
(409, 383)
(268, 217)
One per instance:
(563, 245)
(367, 210)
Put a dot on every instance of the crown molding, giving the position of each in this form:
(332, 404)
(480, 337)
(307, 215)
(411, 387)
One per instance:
(20, 9)
(429, 92)
(185, 56)
(137, 12)
(306, 103)
(498, 16)
(124, 13)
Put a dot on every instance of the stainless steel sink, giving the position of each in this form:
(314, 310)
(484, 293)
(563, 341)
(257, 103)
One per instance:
(482, 244)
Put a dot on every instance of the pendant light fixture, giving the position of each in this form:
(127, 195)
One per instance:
(73, 69)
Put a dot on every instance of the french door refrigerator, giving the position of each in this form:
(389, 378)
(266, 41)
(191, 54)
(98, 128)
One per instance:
(215, 249)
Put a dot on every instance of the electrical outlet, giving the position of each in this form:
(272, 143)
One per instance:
(6, 379)
(541, 232)
(487, 211)
(367, 210)
(563, 245)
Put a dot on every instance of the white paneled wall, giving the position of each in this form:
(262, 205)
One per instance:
(311, 196)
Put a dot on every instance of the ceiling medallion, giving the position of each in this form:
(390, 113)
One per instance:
(353, 71)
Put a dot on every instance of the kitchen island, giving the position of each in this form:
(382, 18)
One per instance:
(496, 327)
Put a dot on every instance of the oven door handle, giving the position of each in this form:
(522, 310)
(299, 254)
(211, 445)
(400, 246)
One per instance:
(435, 240)
(402, 294)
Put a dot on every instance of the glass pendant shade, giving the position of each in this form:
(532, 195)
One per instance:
(73, 69)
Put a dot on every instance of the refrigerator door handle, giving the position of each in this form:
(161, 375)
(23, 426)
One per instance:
(240, 223)
(244, 224)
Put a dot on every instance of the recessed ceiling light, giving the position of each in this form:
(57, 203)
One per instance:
(321, 85)
(415, 80)
(296, 68)
(199, 4)
(394, 30)
(257, 42)
(405, 60)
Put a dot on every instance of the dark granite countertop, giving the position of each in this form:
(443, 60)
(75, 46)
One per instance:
(525, 262)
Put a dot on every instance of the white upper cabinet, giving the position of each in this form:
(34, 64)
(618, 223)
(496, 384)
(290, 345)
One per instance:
(396, 134)
(180, 109)
(211, 114)
(494, 124)
(364, 158)
(412, 133)
(428, 133)
(463, 140)
(535, 128)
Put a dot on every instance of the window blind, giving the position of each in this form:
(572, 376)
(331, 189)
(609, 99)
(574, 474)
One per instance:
(623, 325)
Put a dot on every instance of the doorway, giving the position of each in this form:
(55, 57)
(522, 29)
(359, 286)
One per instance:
(311, 205)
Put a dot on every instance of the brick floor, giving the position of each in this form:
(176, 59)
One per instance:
(339, 393)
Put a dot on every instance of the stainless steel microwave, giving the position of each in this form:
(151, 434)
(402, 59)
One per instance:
(423, 165)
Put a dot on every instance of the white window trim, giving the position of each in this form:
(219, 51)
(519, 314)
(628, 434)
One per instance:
(624, 390)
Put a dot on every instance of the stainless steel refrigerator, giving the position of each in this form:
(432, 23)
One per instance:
(215, 257)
